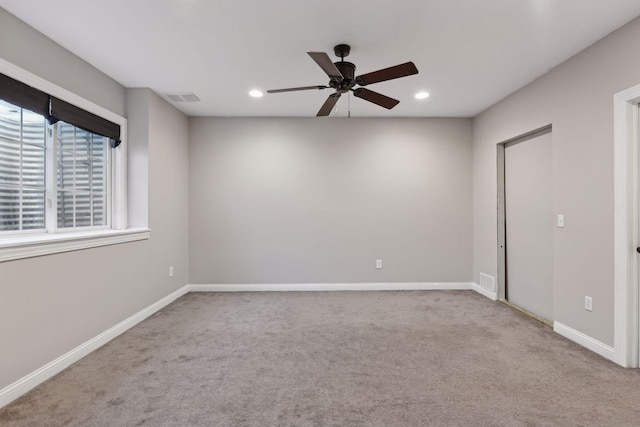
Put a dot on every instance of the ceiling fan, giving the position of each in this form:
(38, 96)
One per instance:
(342, 79)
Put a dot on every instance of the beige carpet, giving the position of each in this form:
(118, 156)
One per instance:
(336, 359)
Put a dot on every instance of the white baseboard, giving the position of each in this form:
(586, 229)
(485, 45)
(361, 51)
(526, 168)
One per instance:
(479, 289)
(585, 340)
(314, 287)
(37, 377)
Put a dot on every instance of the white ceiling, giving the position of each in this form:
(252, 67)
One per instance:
(469, 53)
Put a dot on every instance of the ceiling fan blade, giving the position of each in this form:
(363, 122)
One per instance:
(376, 98)
(323, 60)
(328, 105)
(402, 70)
(291, 89)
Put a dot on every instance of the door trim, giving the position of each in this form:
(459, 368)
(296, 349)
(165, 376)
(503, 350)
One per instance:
(626, 218)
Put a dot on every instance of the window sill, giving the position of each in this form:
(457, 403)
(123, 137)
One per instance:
(12, 248)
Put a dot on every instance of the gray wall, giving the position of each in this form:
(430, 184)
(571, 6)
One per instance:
(28, 49)
(577, 98)
(51, 304)
(295, 200)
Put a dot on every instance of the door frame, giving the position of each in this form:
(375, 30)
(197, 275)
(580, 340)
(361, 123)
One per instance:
(626, 227)
(502, 223)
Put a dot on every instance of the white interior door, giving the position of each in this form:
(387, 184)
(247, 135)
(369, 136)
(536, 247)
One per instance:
(529, 224)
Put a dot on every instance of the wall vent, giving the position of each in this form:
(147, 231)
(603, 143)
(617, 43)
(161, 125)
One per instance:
(487, 282)
(183, 97)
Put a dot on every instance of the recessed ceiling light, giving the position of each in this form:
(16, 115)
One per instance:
(422, 95)
(256, 93)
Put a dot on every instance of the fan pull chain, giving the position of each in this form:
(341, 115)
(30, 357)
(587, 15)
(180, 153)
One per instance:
(349, 105)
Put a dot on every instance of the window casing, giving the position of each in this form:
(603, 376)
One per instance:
(67, 106)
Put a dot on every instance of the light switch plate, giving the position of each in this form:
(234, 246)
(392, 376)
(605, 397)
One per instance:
(560, 221)
(588, 303)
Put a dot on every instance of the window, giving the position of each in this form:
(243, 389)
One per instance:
(82, 177)
(63, 183)
(31, 200)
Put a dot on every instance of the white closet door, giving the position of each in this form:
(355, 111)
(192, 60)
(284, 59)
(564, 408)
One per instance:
(529, 224)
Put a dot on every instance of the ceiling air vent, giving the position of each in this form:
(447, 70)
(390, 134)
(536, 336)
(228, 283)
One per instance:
(183, 97)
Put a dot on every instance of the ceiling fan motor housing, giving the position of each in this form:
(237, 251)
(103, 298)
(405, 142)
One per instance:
(348, 71)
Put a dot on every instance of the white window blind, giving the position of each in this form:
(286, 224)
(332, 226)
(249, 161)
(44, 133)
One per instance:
(82, 177)
(22, 169)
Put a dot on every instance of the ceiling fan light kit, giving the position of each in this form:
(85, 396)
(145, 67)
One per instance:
(342, 79)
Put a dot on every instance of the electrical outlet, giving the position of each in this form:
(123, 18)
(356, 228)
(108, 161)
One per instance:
(171, 271)
(588, 303)
(378, 263)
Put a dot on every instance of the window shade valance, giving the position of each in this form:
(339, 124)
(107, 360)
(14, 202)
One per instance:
(54, 109)
(18, 93)
(63, 111)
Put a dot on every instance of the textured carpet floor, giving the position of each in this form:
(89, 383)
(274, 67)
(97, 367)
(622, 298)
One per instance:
(341, 358)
